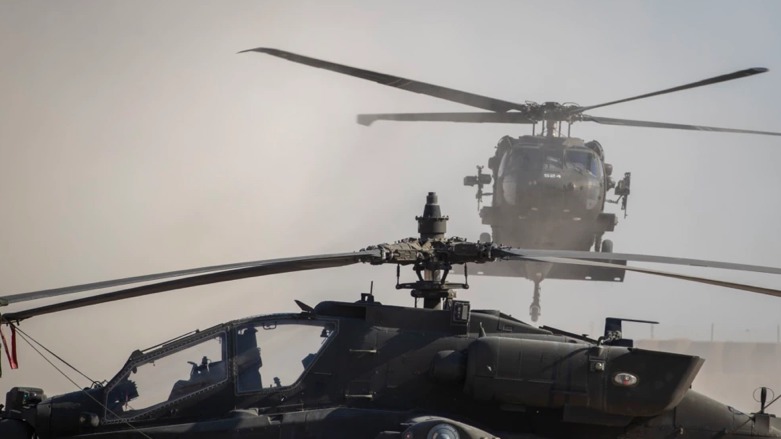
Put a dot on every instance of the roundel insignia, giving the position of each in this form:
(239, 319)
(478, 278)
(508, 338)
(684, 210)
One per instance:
(624, 379)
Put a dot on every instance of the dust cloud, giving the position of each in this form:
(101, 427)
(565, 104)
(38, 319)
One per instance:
(134, 139)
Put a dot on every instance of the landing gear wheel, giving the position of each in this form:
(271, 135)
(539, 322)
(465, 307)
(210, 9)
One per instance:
(607, 246)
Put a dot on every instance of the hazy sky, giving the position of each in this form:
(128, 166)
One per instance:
(133, 139)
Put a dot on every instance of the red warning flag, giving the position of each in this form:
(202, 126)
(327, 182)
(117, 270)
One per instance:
(12, 354)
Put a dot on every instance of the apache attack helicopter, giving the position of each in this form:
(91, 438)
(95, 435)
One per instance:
(548, 191)
(367, 370)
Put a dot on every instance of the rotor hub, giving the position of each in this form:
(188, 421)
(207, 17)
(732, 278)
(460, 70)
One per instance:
(432, 225)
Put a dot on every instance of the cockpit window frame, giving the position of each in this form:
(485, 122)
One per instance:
(138, 359)
(279, 320)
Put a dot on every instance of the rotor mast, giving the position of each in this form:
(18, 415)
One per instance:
(432, 226)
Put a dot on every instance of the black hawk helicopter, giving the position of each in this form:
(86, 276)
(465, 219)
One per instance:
(548, 191)
(367, 370)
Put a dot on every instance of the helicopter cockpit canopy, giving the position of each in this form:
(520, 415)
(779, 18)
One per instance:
(533, 163)
(538, 174)
(584, 159)
(255, 355)
(530, 161)
(288, 348)
(167, 374)
(529, 156)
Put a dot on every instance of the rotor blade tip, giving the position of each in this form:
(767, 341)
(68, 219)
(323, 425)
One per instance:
(259, 49)
(364, 120)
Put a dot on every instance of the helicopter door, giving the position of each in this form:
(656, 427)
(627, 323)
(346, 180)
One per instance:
(271, 354)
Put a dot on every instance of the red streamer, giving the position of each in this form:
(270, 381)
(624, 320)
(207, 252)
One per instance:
(12, 354)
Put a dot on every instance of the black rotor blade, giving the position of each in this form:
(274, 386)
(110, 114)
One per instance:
(461, 97)
(709, 81)
(631, 257)
(674, 126)
(509, 117)
(54, 292)
(698, 279)
(262, 268)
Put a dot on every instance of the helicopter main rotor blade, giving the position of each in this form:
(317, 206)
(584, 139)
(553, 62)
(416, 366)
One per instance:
(674, 126)
(261, 268)
(709, 81)
(509, 117)
(698, 279)
(631, 257)
(437, 91)
(55, 292)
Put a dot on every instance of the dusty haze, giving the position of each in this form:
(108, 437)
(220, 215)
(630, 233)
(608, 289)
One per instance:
(133, 139)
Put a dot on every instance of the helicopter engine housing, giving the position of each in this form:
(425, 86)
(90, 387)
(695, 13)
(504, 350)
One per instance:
(609, 379)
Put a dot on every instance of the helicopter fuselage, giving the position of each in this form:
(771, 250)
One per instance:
(366, 370)
(548, 192)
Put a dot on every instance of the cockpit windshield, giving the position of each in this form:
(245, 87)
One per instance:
(585, 160)
(530, 160)
(267, 353)
(168, 377)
